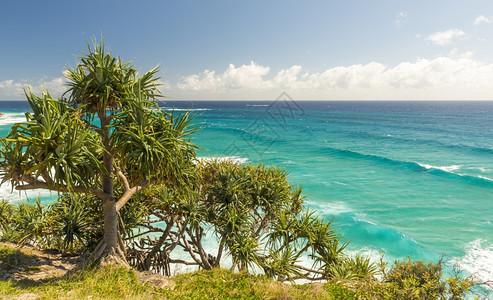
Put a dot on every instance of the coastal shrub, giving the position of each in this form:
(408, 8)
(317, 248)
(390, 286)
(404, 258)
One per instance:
(31, 224)
(353, 268)
(255, 216)
(75, 225)
(72, 223)
(410, 279)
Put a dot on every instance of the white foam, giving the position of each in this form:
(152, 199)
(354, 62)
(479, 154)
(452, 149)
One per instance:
(449, 169)
(339, 183)
(258, 105)
(185, 109)
(478, 260)
(12, 118)
(373, 254)
(485, 178)
(7, 193)
(235, 159)
(331, 208)
(481, 169)
(363, 217)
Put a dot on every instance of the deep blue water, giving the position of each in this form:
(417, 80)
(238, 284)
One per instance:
(401, 178)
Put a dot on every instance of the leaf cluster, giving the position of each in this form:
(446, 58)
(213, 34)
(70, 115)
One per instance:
(108, 128)
(416, 279)
(53, 144)
(257, 218)
(73, 223)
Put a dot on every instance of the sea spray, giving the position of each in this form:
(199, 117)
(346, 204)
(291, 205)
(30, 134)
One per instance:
(478, 261)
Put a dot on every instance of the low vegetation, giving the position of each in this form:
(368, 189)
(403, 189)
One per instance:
(405, 280)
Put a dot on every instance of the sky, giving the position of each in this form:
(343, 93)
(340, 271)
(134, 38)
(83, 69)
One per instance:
(255, 50)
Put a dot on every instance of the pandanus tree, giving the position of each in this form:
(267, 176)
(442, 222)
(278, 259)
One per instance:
(106, 137)
(256, 217)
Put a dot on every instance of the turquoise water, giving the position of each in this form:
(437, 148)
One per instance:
(398, 178)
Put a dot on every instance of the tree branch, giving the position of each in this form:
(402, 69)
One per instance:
(64, 189)
(93, 127)
(128, 194)
(180, 261)
(124, 180)
(309, 269)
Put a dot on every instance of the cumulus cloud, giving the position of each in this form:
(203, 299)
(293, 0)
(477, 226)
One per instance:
(14, 90)
(481, 19)
(11, 90)
(446, 37)
(454, 77)
(246, 76)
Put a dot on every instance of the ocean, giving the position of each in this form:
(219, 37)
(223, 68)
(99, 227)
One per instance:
(398, 178)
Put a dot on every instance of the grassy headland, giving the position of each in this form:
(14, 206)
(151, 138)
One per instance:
(29, 277)
(121, 283)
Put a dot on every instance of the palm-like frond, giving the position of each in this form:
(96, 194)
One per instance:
(100, 81)
(54, 144)
(282, 264)
(151, 143)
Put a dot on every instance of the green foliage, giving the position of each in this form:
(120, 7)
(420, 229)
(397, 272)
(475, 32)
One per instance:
(30, 223)
(106, 283)
(353, 268)
(224, 284)
(458, 287)
(339, 291)
(103, 81)
(5, 216)
(53, 144)
(410, 279)
(121, 283)
(74, 223)
(257, 217)
(146, 141)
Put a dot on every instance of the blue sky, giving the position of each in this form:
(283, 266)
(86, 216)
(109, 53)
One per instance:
(334, 50)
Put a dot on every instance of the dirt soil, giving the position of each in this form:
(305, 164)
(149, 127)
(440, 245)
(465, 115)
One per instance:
(34, 264)
(31, 263)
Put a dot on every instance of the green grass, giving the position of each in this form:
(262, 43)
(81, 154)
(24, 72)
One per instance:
(105, 283)
(11, 258)
(121, 283)
(223, 284)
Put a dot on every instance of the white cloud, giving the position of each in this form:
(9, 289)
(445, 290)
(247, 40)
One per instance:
(481, 19)
(246, 76)
(11, 90)
(14, 90)
(454, 77)
(446, 37)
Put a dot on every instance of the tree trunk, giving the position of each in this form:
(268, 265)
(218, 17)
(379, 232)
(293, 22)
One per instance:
(111, 253)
